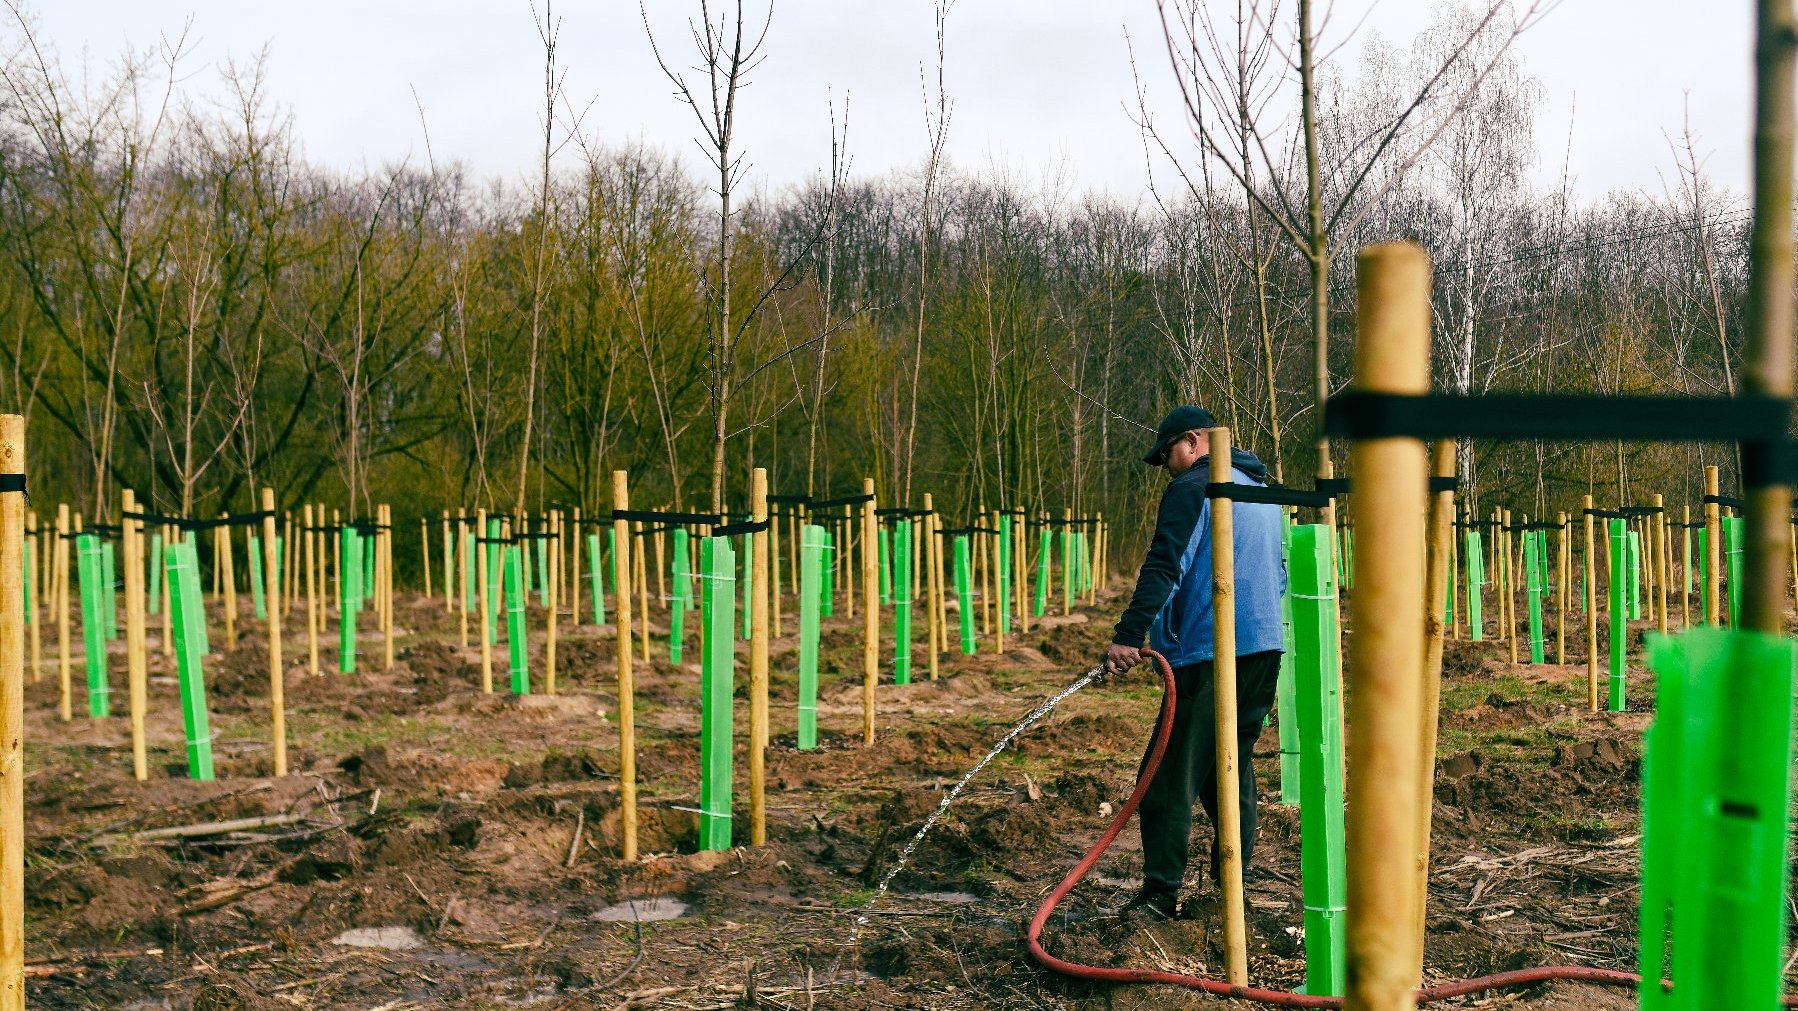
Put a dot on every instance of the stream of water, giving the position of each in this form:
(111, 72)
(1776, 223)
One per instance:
(1030, 719)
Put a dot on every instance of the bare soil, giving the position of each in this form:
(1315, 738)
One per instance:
(487, 824)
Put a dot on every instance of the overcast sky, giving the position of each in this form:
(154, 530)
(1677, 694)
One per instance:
(1036, 83)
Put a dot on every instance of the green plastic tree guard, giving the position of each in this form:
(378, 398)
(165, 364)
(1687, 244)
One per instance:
(1004, 573)
(470, 544)
(154, 590)
(811, 604)
(193, 552)
(1532, 554)
(256, 577)
(902, 532)
(368, 570)
(187, 617)
(93, 626)
(1716, 786)
(1685, 547)
(677, 603)
(1041, 603)
(1732, 567)
(542, 570)
(885, 564)
(1704, 566)
(595, 578)
(516, 636)
(746, 585)
(351, 546)
(30, 617)
(1619, 604)
(717, 621)
(1476, 578)
(612, 552)
(1322, 856)
(1285, 698)
(109, 581)
(495, 567)
(964, 591)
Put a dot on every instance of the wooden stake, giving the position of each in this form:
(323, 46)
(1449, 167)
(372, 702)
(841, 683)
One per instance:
(760, 553)
(12, 719)
(1591, 612)
(1021, 595)
(552, 580)
(1386, 654)
(1436, 581)
(481, 566)
(227, 574)
(577, 544)
(627, 728)
(1229, 799)
(1510, 579)
(997, 566)
(277, 687)
(308, 534)
(932, 580)
(1563, 558)
(62, 609)
(136, 667)
(870, 610)
(1713, 549)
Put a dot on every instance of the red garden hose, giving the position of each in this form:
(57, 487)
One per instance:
(1279, 998)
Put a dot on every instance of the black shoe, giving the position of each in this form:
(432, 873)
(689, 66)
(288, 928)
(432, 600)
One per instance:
(1150, 907)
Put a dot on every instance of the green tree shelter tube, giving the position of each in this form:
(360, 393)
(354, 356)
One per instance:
(192, 542)
(902, 583)
(1532, 568)
(470, 544)
(964, 591)
(811, 604)
(516, 636)
(1475, 554)
(1004, 573)
(1716, 786)
(109, 581)
(93, 625)
(350, 542)
(1704, 559)
(885, 564)
(1635, 575)
(1619, 608)
(746, 584)
(1322, 856)
(596, 577)
(368, 570)
(1042, 573)
(1285, 698)
(154, 590)
(256, 577)
(677, 600)
(495, 566)
(827, 575)
(542, 570)
(187, 618)
(717, 620)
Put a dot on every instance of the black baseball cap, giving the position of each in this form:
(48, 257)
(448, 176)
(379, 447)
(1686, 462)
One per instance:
(1178, 422)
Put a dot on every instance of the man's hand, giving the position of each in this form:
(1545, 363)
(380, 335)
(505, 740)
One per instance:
(1120, 659)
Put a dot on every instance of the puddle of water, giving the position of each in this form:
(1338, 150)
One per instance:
(648, 910)
(390, 938)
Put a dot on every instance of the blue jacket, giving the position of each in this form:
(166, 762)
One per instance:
(1172, 602)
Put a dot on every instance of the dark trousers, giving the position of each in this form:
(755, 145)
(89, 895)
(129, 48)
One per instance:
(1188, 770)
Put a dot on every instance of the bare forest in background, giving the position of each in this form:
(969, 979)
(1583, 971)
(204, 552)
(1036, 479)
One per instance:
(190, 309)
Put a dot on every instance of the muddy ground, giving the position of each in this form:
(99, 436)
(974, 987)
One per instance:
(484, 829)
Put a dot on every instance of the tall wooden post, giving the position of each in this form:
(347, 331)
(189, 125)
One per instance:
(386, 542)
(1224, 715)
(1563, 558)
(1022, 598)
(12, 715)
(1591, 564)
(870, 611)
(1657, 525)
(1436, 581)
(996, 566)
(1685, 576)
(1386, 654)
(271, 575)
(627, 726)
(136, 666)
(484, 602)
(577, 543)
(760, 553)
(1713, 549)
(225, 569)
(308, 534)
(933, 588)
(67, 711)
(552, 582)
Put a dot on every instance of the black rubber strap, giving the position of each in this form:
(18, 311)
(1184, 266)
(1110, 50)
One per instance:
(1648, 510)
(1357, 414)
(1537, 525)
(1438, 485)
(1727, 501)
(12, 482)
(845, 500)
(1334, 486)
(1609, 514)
(745, 527)
(668, 518)
(188, 523)
(790, 499)
(1268, 495)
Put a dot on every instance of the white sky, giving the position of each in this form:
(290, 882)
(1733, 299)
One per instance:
(1036, 83)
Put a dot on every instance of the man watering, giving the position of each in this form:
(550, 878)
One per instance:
(1172, 608)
